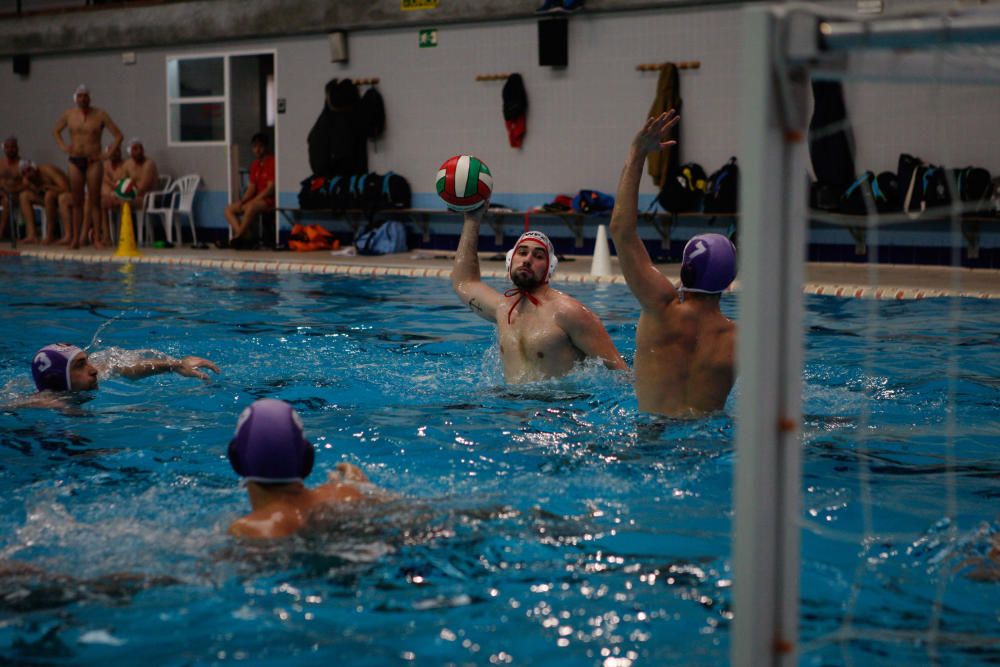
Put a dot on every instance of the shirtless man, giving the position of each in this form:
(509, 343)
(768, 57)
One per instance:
(114, 171)
(10, 181)
(142, 170)
(86, 160)
(47, 185)
(543, 333)
(684, 353)
(270, 452)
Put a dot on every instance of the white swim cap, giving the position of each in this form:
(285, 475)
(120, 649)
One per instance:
(539, 239)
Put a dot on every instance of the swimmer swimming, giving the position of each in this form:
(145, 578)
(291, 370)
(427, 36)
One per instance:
(270, 452)
(684, 345)
(542, 332)
(62, 367)
(86, 160)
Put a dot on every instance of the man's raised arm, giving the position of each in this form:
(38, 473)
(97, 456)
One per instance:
(650, 287)
(465, 276)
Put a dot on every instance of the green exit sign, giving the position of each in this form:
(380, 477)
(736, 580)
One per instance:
(428, 38)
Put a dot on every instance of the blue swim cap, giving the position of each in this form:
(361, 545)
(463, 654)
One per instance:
(50, 367)
(269, 444)
(708, 264)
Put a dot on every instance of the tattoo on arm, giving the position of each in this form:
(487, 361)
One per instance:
(474, 305)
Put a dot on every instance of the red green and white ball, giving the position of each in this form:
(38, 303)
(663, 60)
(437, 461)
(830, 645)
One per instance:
(464, 183)
(125, 189)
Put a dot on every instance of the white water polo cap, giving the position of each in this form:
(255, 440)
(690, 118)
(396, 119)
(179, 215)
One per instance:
(536, 239)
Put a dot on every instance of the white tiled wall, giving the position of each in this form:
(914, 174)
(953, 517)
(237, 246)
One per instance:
(580, 120)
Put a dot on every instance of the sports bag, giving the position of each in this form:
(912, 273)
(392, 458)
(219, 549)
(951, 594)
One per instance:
(684, 190)
(722, 191)
(865, 188)
(910, 175)
(313, 193)
(593, 201)
(974, 185)
(389, 237)
(936, 189)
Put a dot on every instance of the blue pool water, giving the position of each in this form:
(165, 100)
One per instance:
(541, 524)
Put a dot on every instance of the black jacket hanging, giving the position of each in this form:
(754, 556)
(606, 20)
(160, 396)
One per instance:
(337, 142)
(515, 109)
(831, 144)
(373, 113)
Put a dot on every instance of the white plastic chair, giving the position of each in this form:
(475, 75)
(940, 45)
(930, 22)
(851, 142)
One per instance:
(17, 219)
(149, 200)
(176, 200)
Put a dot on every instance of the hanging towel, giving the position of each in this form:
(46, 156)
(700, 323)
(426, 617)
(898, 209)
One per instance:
(668, 96)
(515, 109)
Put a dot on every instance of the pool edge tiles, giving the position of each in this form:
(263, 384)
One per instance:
(373, 267)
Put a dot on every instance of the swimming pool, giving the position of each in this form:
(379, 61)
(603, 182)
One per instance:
(547, 523)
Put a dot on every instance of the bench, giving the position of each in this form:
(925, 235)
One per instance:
(497, 219)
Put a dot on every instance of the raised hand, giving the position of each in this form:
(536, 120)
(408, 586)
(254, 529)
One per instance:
(651, 136)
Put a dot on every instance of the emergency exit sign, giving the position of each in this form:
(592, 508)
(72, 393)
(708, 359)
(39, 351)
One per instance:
(428, 38)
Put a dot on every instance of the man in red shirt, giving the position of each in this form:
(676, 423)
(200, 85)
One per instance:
(259, 195)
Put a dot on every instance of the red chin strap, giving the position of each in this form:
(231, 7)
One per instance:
(521, 294)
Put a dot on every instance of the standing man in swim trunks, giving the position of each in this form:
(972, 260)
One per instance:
(86, 124)
(47, 185)
(542, 332)
(684, 346)
(259, 195)
(270, 452)
(10, 183)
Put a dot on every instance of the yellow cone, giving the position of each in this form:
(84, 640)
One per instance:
(126, 237)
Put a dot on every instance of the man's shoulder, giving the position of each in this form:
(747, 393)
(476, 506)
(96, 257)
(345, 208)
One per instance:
(571, 309)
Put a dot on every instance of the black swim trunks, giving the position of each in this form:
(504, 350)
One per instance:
(80, 162)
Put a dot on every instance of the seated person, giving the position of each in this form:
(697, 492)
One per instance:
(65, 367)
(259, 195)
(142, 170)
(47, 185)
(114, 171)
(270, 452)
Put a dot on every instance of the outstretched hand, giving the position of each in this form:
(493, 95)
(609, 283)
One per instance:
(651, 136)
(347, 472)
(189, 366)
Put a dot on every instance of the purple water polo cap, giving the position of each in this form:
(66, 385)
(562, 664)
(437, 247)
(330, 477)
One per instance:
(709, 264)
(50, 367)
(269, 445)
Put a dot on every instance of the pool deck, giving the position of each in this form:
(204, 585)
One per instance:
(885, 281)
